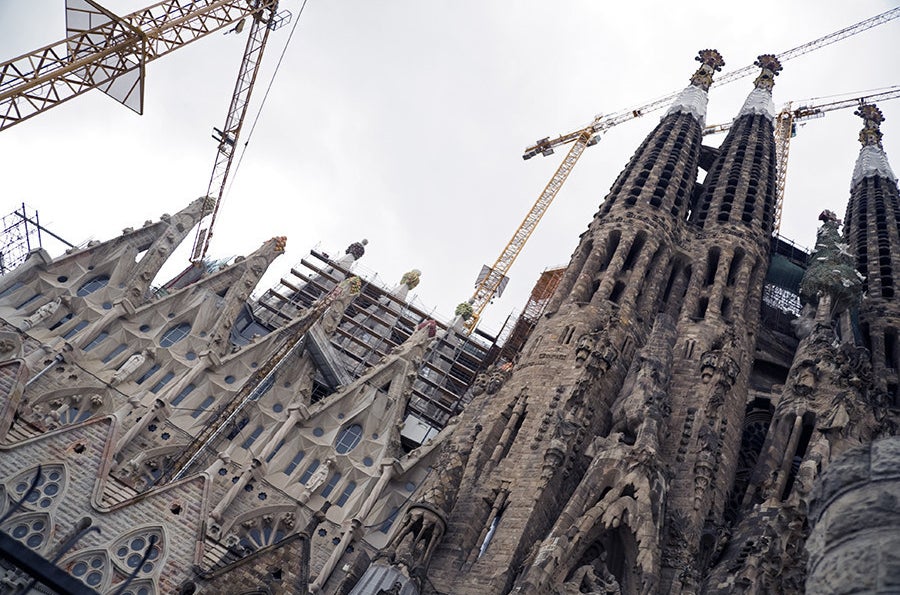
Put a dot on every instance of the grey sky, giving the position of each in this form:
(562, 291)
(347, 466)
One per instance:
(404, 122)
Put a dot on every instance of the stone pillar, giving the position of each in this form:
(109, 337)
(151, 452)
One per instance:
(855, 542)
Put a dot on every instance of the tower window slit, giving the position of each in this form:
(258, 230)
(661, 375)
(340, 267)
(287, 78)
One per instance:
(890, 348)
(612, 243)
(702, 305)
(634, 251)
(735, 266)
(617, 291)
(712, 265)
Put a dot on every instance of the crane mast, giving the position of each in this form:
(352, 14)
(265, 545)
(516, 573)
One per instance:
(493, 279)
(263, 21)
(109, 52)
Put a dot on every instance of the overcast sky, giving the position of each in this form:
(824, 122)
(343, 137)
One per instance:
(404, 122)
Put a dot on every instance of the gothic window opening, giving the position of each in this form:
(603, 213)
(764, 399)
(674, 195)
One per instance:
(298, 458)
(345, 495)
(617, 291)
(101, 337)
(28, 301)
(389, 521)
(236, 428)
(162, 382)
(890, 349)
(332, 483)
(257, 432)
(182, 394)
(9, 290)
(61, 321)
(636, 246)
(91, 567)
(93, 285)
(612, 243)
(129, 551)
(712, 265)
(275, 451)
(736, 260)
(756, 428)
(309, 471)
(30, 529)
(75, 329)
(48, 490)
(202, 407)
(175, 334)
(348, 438)
(112, 354)
(150, 372)
(702, 305)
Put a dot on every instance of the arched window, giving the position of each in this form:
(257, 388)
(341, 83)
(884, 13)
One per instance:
(101, 336)
(309, 471)
(32, 529)
(129, 551)
(91, 568)
(175, 334)
(329, 487)
(180, 397)
(48, 490)
(93, 285)
(348, 438)
(76, 329)
(202, 407)
(294, 462)
(345, 495)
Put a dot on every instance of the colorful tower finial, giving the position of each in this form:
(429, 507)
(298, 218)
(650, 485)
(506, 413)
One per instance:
(692, 100)
(710, 62)
(870, 135)
(771, 66)
(872, 160)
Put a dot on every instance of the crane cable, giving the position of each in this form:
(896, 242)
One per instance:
(262, 103)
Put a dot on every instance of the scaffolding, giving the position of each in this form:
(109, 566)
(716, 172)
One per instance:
(373, 325)
(21, 235)
(537, 302)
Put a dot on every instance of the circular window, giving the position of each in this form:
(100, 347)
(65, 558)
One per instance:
(191, 356)
(318, 432)
(107, 305)
(144, 328)
(368, 462)
(229, 379)
(277, 407)
(62, 278)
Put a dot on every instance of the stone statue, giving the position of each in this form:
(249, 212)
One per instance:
(42, 313)
(319, 476)
(129, 367)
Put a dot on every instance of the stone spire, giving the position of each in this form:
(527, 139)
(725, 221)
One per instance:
(692, 100)
(760, 99)
(872, 160)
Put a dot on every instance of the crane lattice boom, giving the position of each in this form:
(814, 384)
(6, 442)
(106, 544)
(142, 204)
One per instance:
(489, 284)
(605, 122)
(108, 52)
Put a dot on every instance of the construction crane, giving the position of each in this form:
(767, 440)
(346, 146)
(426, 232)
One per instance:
(786, 126)
(107, 52)
(493, 279)
(263, 21)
